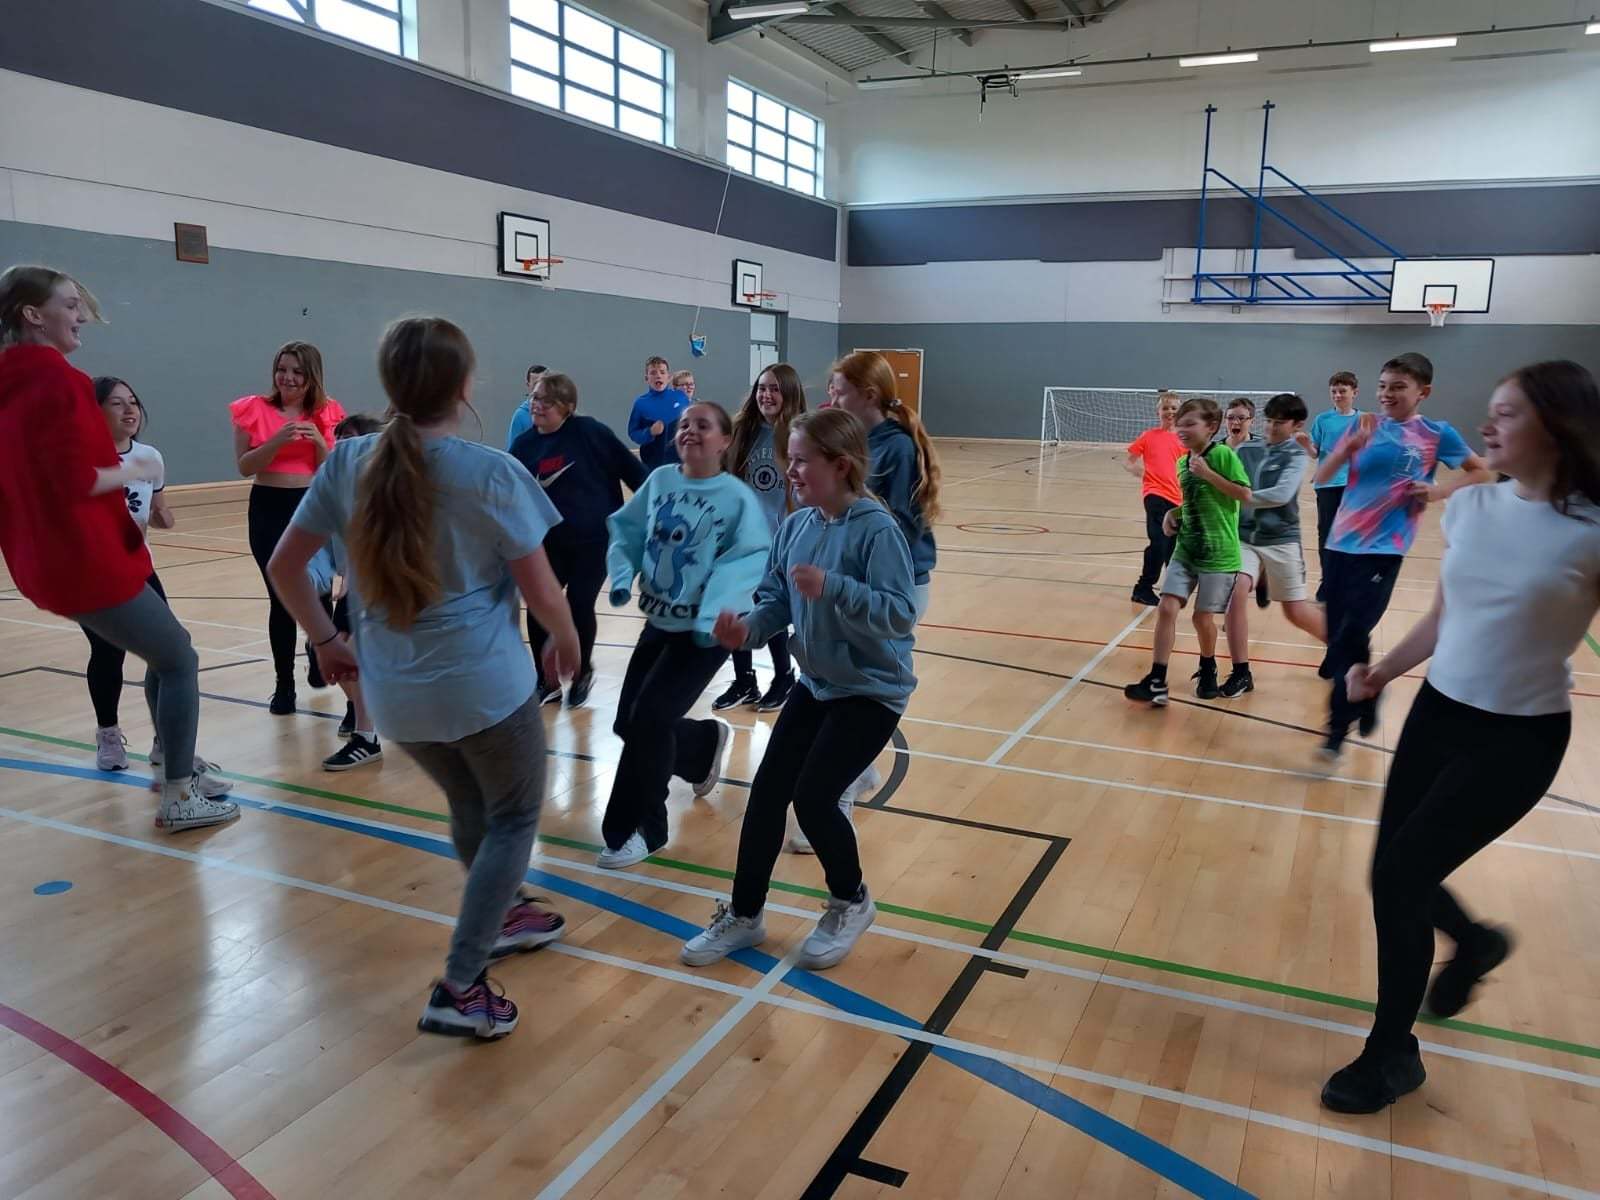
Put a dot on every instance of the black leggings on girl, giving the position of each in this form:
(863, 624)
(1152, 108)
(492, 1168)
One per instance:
(817, 749)
(105, 673)
(271, 509)
(580, 568)
(1461, 777)
(744, 661)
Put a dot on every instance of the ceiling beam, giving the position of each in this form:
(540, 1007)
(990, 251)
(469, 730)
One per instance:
(843, 14)
(1023, 9)
(933, 9)
(865, 23)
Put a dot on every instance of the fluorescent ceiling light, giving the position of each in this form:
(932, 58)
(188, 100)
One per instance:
(1218, 60)
(1433, 43)
(754, 12)
(1595, 28)
(871, 85)
(1061, 73)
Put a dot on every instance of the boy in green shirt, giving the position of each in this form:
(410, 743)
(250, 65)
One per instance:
(1206, 558)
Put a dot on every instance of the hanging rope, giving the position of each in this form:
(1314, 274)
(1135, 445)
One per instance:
(697, 340)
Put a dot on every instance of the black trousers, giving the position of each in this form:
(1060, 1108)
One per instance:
(580, 568)
(744, 661)
(665, 676)
(1159, 551)
(1359, 587)
(270, 511)
(1328, 499)
(105, 670)
(817, 749)
(1461, 777)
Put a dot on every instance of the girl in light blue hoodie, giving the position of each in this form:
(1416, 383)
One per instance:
(840, 572)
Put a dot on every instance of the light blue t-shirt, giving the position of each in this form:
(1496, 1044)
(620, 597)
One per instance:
(1377, 514)
(462, 667)
(521, 422)
(1327, 428)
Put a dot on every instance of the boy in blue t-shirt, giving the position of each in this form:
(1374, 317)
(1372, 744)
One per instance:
(653, 423)
(1327, 428)
(1391, 461)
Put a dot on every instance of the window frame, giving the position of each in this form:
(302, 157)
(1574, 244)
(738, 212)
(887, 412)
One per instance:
(403, 16)
(739, 153)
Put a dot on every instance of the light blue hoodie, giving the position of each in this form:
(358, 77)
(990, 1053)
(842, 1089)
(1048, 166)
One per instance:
(855, 640)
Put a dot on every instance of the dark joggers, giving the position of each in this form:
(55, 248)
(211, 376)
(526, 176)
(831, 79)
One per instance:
(1159, 551)
(270, 511)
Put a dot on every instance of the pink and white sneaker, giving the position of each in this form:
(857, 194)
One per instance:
(527, 927)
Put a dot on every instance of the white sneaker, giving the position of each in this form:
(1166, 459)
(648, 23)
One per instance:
(183, 807)
(866, 784)
(630, 853)
(722, 937)
(798, 843)
(718, 757)
(155, 752)
(843, 922)
(207, 776)
(110, 749)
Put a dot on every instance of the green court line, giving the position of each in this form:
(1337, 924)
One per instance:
(1167, 966)
(1593, 645)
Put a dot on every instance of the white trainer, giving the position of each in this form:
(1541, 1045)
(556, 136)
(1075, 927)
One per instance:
(722, 937)
(718, 758)
(110, 749)
(183, 807)
(630, 853)
(156, 755)
(798, 843)
(843, 922)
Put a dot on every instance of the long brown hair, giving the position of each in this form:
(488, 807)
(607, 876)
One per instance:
(25, 286)
(870, 371)
(1567, 401)
(836, 434)
(310, 359)
(748, 422)
(424, 363)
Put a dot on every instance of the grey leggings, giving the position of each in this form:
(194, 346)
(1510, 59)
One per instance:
(146, 627)
(494, 781)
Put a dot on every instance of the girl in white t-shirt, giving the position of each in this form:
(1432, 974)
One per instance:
(1487, 732)
(147, 505)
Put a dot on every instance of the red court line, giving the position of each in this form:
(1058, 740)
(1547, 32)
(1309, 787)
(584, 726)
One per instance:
(216, 1161)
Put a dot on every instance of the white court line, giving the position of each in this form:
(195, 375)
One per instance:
(1066, 689)
(205, 537)
(756, 995)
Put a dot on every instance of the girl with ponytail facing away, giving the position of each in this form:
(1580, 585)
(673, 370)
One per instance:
(442, 535)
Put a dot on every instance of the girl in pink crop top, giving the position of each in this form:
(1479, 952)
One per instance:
(260, 418)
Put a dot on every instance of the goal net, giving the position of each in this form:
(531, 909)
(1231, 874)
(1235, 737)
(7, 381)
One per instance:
(1118, 415)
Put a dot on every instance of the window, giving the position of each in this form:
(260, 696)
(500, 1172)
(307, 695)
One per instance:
(571, 60)
(770, 140)
(380, 24)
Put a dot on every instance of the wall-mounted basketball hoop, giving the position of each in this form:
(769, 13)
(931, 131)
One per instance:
(525, 248)
(1441, 286)
(1437, 312)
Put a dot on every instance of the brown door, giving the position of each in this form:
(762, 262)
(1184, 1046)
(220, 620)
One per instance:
(907, 366)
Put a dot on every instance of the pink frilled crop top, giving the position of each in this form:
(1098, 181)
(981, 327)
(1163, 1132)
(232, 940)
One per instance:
(258, 417)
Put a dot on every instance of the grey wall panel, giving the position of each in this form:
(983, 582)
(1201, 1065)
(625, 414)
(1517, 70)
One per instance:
(989, 380)
(1465, 221)
(191, 338)
(205, 59)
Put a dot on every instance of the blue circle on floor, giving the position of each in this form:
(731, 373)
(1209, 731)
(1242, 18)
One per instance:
(53, 887)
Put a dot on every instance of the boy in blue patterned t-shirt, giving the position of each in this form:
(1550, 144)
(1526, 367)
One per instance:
(1392, 461)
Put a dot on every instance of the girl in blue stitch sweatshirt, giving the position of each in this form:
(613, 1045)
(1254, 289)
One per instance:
(697, 541)
(841, 573)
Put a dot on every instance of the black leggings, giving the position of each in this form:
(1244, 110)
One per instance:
(1461, 777)
(816, 750)
(271, 509)
(105, 671)
(580, 568)
(1328, 499)
(1160, 545)
(744, 661)
(1358, 591)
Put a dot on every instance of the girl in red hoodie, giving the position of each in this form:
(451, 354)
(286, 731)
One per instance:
(68, 541)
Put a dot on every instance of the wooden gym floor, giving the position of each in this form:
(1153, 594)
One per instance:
(1119, 952)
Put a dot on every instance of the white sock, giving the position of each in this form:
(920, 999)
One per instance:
(370, 735)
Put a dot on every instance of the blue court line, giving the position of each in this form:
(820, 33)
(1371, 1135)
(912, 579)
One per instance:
(1146, 1151)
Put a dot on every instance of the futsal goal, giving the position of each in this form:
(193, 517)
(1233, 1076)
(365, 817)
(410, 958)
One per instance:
(1115, 416)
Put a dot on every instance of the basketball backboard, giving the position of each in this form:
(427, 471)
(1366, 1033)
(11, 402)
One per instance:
(1462, 283)
(524, 247)
(748, 290)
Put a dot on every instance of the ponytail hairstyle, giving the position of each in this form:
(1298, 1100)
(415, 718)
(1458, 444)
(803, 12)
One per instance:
(425, 364)
(836, 434)
(868, 371)
(749, 421)
(1566, 400)
(31, 287)
(310, 359)
(104, 385)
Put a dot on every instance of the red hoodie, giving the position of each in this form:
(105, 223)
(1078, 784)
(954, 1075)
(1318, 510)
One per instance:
(68, 552)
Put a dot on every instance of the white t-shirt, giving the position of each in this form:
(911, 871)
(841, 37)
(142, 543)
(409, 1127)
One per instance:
(1521, 585)
(152, 479)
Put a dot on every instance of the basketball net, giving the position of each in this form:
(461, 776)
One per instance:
(1437, 313)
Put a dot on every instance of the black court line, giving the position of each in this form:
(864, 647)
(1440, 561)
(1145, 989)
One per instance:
(1002, 968)
(846, 1158)
(878, 1173)
(897, 773)
(241, 663)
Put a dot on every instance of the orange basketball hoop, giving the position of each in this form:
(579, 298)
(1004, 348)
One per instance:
(1438, 311)
(758, 299)
(528, 264)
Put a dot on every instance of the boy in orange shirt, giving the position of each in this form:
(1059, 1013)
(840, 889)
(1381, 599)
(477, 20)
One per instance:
(1153, 457)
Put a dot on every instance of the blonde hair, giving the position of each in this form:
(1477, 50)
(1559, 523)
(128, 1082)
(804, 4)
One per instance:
(836, 434)
(559, 389)
(25, 286)
(424, 363)
(310, 360)
(869, 371)
(1163, 396)
(679, 378)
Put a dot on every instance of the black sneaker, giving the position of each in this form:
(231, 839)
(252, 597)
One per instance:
(1263, 595)
(549, 693)
(357, 752)
(1145, 594)
(348, 725)
(578, 693)
(773, 698)
(1452, 987)
(314, 670)
(1375, 1080)
(1324, 668)
(282, 703)
(743, 690)
(1149, 690)
(1238, 683)
(1206, 688)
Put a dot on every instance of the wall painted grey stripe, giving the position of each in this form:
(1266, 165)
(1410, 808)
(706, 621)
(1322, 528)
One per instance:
(205, 59)
(1558, 219)
(190, 338)
(989, 380)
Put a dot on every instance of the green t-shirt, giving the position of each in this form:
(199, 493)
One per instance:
(1208, 529)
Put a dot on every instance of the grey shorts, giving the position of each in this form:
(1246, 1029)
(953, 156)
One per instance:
(1211, 589)
(1284, 564)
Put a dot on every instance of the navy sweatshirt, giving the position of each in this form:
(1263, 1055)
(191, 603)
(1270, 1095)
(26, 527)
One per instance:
(582, 467)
